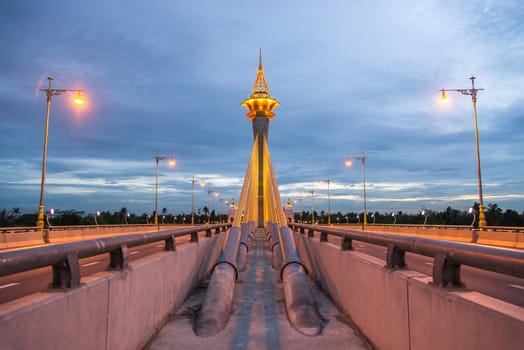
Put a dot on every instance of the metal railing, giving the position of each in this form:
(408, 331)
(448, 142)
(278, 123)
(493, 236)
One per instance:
(64, 258)
(18, 229)
(517, 229)
(448, 256)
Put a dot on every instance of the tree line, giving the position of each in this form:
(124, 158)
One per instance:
(495, 216)
(123, 216)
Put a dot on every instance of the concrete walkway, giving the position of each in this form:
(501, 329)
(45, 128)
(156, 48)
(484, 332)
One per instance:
(259, 318)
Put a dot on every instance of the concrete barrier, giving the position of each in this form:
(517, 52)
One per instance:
(111, 309)
(400, 309)
(458, 235)
(502, 239)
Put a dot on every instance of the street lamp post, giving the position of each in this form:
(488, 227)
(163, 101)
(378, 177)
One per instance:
(312, 206)
(300, 208)
(363, 160)
(209, 191)
(50, 93)
(171, 163)
(328, 181)
(202, 184)
(473, 93)
(472, 212)
(50, 213)
(220, 208)
(424, 212)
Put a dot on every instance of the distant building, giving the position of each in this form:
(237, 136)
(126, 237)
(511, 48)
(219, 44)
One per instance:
(290, 217)
(231, 211)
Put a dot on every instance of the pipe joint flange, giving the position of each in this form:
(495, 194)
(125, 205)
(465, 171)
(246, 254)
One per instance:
(289, 262)
(226, 262)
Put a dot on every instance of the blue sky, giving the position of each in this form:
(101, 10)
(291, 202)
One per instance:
(352, 76)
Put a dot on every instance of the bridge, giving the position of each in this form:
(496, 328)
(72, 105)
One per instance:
(263, 281)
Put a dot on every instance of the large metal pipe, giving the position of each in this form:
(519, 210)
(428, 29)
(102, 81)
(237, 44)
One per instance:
(274, 247)
(245, 231)
(269, 232)
(216, 308)
(300, 304)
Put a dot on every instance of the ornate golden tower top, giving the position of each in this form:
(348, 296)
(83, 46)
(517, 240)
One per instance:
(260, 103)
(260, 88)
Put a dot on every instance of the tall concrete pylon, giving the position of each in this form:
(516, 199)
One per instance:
(260, 106)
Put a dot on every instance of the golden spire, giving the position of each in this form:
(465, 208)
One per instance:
(260, 103)
(260, 88)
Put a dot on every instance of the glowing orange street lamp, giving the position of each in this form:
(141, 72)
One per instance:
(79, 100)
(172, 164)
(473, 93)
(50, 93)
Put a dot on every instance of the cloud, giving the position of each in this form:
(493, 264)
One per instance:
(351, 77)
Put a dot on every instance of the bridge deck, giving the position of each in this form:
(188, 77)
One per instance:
(259, 318)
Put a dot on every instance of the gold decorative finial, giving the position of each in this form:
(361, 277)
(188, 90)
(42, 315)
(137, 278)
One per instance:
(260, 88)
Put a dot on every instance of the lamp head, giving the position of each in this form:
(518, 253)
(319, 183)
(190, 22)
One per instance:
(443, 98)
(172, 161)
(348, 161)
(79, 100)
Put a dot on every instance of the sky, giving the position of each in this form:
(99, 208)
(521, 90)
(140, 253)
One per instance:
(167, 78)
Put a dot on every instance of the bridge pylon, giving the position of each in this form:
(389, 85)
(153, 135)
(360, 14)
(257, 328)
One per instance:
(260, 199)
